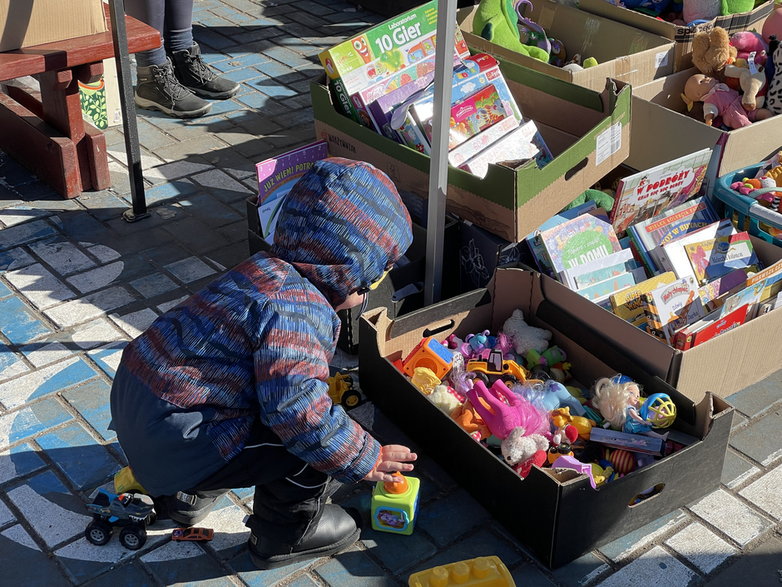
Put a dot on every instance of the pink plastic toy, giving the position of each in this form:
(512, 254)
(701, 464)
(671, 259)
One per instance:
(507, 410)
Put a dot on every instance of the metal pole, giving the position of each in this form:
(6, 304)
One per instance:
(438, 164)
(119, 36)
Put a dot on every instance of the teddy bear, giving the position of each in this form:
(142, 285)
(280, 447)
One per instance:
(523, 336)
(712, 51)
(521, 450)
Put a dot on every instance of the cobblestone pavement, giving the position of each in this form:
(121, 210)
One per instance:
(77, 282)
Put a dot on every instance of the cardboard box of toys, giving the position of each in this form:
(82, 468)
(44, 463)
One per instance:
(681, 34)
(24, 23)
(622, 52)
(587, 132)
(556, 513)
(723, 365)
(661, 122)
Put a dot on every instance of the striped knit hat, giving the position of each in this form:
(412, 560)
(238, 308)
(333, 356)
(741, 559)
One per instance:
(341, 225)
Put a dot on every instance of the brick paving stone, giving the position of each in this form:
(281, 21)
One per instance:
(231, 534)
(530, 575)
(169, 190)
(729, 515)
(39, 286)
(129, 575)
(166, 306)
(108, 358)
(756, 398)
(655, 567)
(10, 363)
(247, 572)
(135, 323)
(13, 215)
(103, 253)
(448, 518)
(701, 547)
(20, 461)
(97, 278)
(103, 205)
(765, 493)
(6, 515)
(352, 568)
(15, 259)
(25, 233)
(184, 563)
(152, 285)
(91, 400)
(760, 439)
(736, 470)
(302, 581)
(53, 512)
(204, 207)
(85, 463)
(631, 542)
(64, 257)
(29, 421)
(19, 555)
(41, 354)
(190, 269)
(397, 553)
(89, 307)
(581, 571)
(44, 382)
(761, 567)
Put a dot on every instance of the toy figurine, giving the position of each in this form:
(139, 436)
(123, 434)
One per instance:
(719, 100)
(503, 410)
(394, 505)
(424, 380)
(618, 399)
(467, 417)
(561, 418)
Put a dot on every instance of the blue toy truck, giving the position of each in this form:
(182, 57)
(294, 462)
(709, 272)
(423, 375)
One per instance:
(133, 512)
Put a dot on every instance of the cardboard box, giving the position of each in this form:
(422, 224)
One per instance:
(100, 102)
(661, 125)
(587, 132)
(557, 515)
(626, 53)
(722, 365)
(24, 23)
(682, 35)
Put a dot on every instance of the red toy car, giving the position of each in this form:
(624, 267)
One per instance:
(192, 534)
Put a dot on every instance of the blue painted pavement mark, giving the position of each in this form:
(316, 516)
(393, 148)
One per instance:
(4, 290)
(19, 323)
(84, 462)
(352, 569)
(22, 460)
(43, 382)
(21, 559)
(91, 400)
(30, 421)
(107, 358)
(129, 575)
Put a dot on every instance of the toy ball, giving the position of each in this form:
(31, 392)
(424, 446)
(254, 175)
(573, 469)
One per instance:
(623, 461)
(659, 410)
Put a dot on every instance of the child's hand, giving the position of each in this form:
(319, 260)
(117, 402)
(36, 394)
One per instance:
(393, 457)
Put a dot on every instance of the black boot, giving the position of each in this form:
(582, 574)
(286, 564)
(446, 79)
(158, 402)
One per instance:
(335, 531)
(195, 74)
(187, 509)
(159, 89)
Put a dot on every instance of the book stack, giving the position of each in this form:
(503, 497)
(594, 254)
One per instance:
(383, 79)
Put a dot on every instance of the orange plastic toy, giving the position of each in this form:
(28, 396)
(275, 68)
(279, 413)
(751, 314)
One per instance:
(431, 354)
(484, 571)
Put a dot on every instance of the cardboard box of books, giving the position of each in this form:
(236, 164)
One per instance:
(622, 52)
(661, 123)
(554, 529)
(682, 35)
(587, 133)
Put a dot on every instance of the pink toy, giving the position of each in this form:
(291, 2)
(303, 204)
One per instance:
(747, 42)
(506, 410)
(719, 100)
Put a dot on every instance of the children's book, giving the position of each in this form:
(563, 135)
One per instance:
(708, 327)
(648, 235)
(710, 292)
(592, 272)
(536, 245)
(276, 177)
(749, 296)
(574, 242)
(672, 255)
(628, 303)
(645, 194)
(671, 306)
(602, 289)
(715, 257)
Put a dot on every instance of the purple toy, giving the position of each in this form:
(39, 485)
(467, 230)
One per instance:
(507, 410)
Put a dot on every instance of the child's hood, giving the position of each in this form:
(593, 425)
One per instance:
(341, 225)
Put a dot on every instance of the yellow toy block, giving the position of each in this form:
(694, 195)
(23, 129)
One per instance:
(484, 571)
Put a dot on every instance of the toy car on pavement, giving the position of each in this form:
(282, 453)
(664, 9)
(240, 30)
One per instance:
(133, 512)
(341, 390)
(192, 533)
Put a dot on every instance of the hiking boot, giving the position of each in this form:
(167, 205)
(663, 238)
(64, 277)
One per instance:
(195, 74)
(159, 89)
(335, 531)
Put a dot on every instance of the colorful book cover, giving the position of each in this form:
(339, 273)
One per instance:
(276, 177)
(672, 306)
(628, 303)
(574, 242)
(645, 194)
(593, 272)
(605, 288)
(533, 239)
(750, 295)
(671, 224)
(725, 323)
(715, 257)
(672, 256)
(710, 292)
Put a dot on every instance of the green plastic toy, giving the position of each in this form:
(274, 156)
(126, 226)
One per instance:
(496, 21)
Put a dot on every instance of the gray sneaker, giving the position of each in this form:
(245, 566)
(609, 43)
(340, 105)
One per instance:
(159, 89)
(195, 74)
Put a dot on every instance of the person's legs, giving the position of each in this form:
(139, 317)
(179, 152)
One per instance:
(178, 30)
(151, 12)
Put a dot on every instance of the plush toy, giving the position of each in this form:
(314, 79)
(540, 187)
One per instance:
(530, 32)
(467, 417)
(502, 410)
(747, 42)
(523, 336)
(445, 398)
(496, 21)
(774, 93)
(736, 6)
(712, 51)
(750, 80)
(577, 64)
(521, 450)
(599, 197)
(650, 7)
(719, 100)
(700, 9)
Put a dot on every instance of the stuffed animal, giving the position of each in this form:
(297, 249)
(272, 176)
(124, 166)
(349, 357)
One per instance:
(523, 336)
(751, 81)
(496, 21)
(700, 10)
(502, 410)
(747, 42)
(719, 100)
(736, 6)
(774, 93)
(712, 51)
(599, 197)
(521, 450)
(445, 398)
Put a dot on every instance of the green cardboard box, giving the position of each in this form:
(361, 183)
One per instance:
(588, 133)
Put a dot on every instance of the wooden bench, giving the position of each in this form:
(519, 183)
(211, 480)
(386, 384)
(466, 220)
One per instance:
(45, 130)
